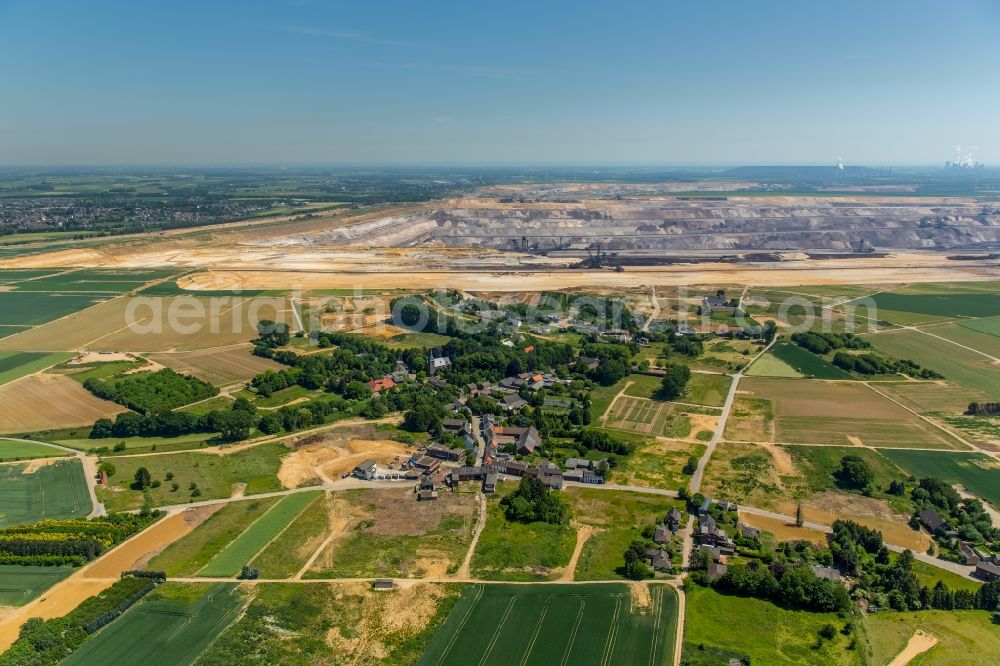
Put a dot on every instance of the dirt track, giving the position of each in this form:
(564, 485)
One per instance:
(917, 645)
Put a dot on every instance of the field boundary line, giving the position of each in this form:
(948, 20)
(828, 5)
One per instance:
(576, 628)
(315, 556)
(461, 625)
(957, 344)
(66, 316)
(927, 420)
(496, 632)
(538, 630)
(657, 598)
(609, 642)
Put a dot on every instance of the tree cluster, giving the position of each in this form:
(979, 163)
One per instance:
(533, 502)
(983, 409)
(232, 424)
(151, 392)
(675, 379)
(824, 343)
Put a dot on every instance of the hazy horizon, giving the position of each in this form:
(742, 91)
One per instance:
(312, 83)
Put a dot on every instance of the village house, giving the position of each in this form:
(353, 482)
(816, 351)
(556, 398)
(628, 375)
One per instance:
(437, 383)
(673, 520)
(589, 362)
(490, 483)
(932, 521)
(461, 429)
(971, 557)
(716, 570)
(658, 559)
(748, 532)
(662, 534)
(376, 386)
(512, 403)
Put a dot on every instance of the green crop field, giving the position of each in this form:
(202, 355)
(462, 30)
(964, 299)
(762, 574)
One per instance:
(958, 365)
(58, 490)
(941, 304)
(990, 325)
(982, 342)
(807, 363)
(172, 627)
(975, 471)
(18, 308)
(556, 624)
(193, 551)
(14, 365)
(243, 548)
(8, 276)
(770, 366)
(96, 282)
(21, 450)
(19, 584)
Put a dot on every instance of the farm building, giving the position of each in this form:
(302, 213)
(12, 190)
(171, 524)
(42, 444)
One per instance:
(366, 470)
(987, 571)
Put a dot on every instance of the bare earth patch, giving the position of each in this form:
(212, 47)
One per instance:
(329, 455)
(829, 506)
(782, 529)
(919, 643)
(404, 611)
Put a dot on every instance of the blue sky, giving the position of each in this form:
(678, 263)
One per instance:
(308, 81)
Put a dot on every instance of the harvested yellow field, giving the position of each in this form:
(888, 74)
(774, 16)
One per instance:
(155, 324)
(217, 366)
(48, 401)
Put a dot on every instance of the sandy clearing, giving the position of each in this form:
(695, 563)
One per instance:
(47, 401)
(700, 422)
(782, 459)
(329, 459)
(38, 463)
(96, 576)
(919, 643)
(100, 357)
(641, 598)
